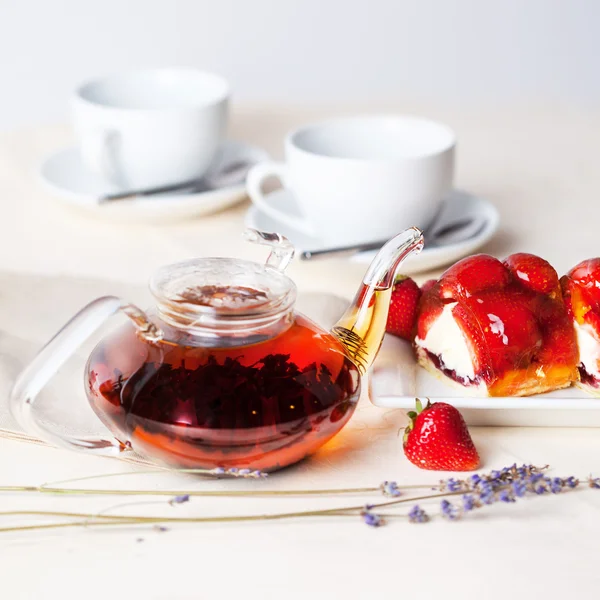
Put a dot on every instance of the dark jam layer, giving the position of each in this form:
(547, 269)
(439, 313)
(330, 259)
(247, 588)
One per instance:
(439, 364)
(588, 378)
(254, 407)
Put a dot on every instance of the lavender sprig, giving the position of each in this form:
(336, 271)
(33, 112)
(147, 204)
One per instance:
(449, 511)
(417, 515)
(179, 499)
(507, 485)
(594, 482)
(390, 489)
(371, 519)
(469, 502)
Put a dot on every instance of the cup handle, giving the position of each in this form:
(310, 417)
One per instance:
(254, 181)
(54, 354)
(99, 149)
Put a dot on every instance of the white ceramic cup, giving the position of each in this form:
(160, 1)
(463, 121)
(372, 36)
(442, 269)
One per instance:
(361, 179)
(151, 127)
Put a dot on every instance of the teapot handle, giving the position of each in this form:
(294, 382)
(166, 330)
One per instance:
(54, 354)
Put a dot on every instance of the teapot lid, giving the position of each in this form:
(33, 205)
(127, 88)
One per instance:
(210, 292)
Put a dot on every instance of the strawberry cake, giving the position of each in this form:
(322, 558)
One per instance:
(501, 328)
(581, 290)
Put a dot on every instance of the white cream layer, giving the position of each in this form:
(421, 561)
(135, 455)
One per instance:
(445, 339)
(589, 349)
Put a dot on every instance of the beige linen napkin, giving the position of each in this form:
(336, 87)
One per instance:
(32, 310)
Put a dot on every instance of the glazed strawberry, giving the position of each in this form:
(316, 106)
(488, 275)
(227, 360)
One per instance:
(593, 319)
(587, 274)
(428, 285)
(430, 308)
(510, 331)
(402, 315)
(475, 341)
(533, 272)
(560, 349)
(437, 439)
(581, 290)
(581, 287)
(592, 287)
(473, 274)
(560, 343)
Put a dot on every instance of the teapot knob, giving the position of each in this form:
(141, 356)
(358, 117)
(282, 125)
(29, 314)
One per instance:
(282, 250)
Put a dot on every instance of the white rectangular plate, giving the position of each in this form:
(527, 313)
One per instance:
(396, 380)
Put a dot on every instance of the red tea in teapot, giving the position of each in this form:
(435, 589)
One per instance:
(263, 406)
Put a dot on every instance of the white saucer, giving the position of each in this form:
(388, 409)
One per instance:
(457, 206)
(67, 178)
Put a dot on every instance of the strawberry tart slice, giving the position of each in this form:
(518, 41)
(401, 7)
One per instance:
(581, 290)
(498, 328)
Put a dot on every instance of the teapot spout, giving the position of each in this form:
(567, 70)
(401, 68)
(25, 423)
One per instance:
(362, 327)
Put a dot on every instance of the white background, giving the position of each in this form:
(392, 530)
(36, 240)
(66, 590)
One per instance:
(307, 52)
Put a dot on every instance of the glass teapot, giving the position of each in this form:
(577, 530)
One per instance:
(222, 372)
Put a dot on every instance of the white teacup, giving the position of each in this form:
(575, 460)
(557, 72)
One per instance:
(152, 127)
(361, 179)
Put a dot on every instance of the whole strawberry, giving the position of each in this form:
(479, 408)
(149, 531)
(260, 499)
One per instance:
(437, 439)
(402, 315)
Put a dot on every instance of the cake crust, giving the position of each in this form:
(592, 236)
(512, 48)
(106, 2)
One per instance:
(528, 387)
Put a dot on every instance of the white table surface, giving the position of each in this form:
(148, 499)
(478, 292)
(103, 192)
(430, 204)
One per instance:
(540, 168)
